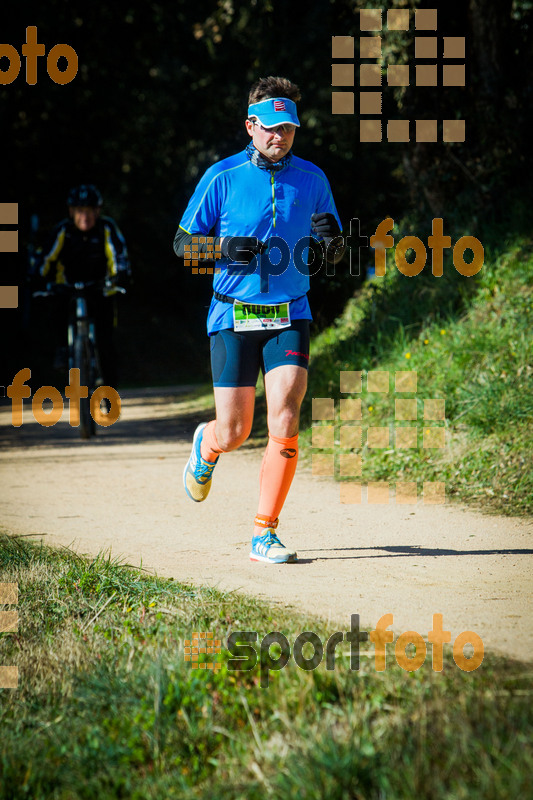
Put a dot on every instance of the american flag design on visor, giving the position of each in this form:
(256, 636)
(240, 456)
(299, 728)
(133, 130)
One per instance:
(275, 111)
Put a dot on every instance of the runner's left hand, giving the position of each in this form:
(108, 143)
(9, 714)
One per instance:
(325, 225)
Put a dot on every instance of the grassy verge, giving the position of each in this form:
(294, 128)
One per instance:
(107, 707)
(469, 340)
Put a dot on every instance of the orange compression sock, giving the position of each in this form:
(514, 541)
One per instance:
(210, 449)
(277, 472)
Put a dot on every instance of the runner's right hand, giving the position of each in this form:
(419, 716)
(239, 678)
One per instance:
(242, 248)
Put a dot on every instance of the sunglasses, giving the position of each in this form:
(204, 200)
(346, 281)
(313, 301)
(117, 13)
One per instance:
(284, 129)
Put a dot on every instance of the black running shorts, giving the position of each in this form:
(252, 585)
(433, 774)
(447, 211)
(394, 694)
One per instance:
(236, 358)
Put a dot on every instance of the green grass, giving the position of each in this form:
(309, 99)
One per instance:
(107, 707)
(469, 340)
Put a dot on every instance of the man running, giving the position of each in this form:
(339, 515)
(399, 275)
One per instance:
(257, 319)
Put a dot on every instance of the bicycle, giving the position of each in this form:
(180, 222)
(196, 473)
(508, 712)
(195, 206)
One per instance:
(82, 345)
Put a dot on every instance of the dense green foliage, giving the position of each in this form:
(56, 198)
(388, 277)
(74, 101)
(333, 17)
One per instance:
(107, 707)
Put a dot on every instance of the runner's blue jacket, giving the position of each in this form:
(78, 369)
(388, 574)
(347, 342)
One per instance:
(237, 198)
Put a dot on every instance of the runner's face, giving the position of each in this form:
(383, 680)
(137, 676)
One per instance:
(84, 217)
(274, 143)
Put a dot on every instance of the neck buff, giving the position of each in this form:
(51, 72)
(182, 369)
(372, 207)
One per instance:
(260, 161)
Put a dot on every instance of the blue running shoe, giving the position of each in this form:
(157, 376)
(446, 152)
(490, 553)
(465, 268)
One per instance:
(198, 472)
(268, 547)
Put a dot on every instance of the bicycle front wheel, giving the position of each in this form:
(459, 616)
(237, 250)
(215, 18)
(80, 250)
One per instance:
(83, 362)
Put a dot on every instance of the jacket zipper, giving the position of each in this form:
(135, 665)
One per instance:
(273, 199)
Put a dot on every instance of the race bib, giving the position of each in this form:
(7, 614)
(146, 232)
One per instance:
(251, 317)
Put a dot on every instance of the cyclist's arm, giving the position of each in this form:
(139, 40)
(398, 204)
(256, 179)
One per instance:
(50, 255)
(118, 264)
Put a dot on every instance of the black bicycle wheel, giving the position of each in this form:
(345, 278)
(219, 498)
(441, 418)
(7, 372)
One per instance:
(82, 361)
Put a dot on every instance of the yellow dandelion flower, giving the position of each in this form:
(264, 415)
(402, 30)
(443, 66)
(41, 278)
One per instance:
(442, 331)
(370, 408)
(408, 355)
(426, 341)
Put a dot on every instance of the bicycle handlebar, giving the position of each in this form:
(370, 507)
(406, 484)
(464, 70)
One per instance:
(107, 286)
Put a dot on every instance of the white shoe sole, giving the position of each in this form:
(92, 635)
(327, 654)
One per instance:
(289, 559)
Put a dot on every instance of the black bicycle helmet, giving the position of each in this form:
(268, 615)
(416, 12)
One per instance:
(85, 195)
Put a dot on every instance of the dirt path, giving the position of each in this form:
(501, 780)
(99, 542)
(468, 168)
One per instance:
(123, 491)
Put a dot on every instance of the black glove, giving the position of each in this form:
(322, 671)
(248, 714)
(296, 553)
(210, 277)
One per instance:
(325, 225)
(242, 248)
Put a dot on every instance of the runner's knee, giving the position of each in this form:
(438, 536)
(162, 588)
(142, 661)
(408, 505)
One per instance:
(284, 421)
(231, 435)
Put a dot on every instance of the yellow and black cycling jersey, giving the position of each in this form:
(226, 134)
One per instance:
(73, 255)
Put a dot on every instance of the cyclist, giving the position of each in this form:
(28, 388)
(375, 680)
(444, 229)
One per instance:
(262, 191)
(88, 247)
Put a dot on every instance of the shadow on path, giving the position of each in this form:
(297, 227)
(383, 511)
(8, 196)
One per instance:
(155, 422)
(403, 551)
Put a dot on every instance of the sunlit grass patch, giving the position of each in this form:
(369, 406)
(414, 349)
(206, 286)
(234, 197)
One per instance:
(108, 707)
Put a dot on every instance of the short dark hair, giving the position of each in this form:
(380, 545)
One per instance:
(273, 87)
